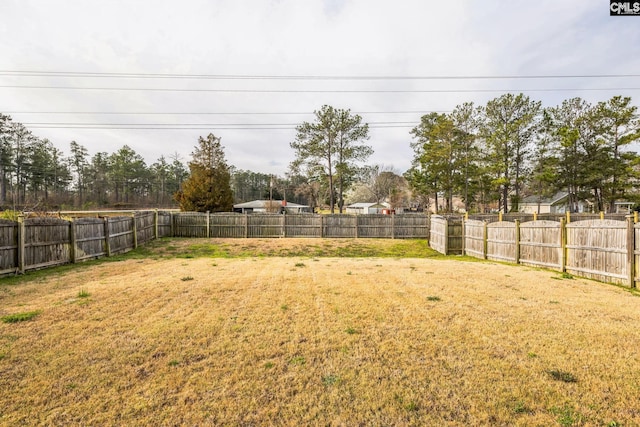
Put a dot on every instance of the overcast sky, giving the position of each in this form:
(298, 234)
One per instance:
(337, 38)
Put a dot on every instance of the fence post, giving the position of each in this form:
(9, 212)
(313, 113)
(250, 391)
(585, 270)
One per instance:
(155, 224)
(393, 225)
(321, 226)
(485, 238)
(568, 217)
(283, 223)
(563, 244)
(171, 223)
(107, 237)
(135, 231)
(208, 225)
(21, 238)
(535, 216)
(72, 243)
(464, 236)
(446, 236)
(357, 225)
(517, 222)
(631, 256)
(499, 216)
(601, 216)
(246, 225)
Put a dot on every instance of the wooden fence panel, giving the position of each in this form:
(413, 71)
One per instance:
(265, 225)
(340, 226)
(303, 225)
(541, 244)
(474, 238)
(227, 225)
(597, 249)
(8, 246)
(438, 234)
(145, 227)
(90, 237)
(411, 226)
(47, 242)
(190, 224)
(501, 241)
(376, 226)
(164, 224)
(121, 234)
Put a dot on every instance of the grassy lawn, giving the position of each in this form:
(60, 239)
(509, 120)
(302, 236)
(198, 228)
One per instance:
(314, 332)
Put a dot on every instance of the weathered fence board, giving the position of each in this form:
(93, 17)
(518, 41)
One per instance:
(8, 246)
(446, 235)
(376, 226)
(89, 238)
(411, 226)
(121, 237)
(501, 241)
(541, 244)
(164, 224)
(598, 249)
(47, 242)
(265, 225)
(340, 226)
(227, 225)
(190, 224)
(145, 227)
(303, 225)
(474, 238)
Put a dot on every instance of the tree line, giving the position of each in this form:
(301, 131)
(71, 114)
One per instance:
(34, 174)
(511, 147)
(488, 156)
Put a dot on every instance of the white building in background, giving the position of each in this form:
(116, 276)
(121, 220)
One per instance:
(273, 206)
(366, 208)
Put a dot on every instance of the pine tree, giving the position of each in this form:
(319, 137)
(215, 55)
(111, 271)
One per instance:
(208, 186)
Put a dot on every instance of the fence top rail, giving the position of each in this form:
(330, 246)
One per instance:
(543, 223)
(598, 223)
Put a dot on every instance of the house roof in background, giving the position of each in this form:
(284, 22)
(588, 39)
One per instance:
(258, 204)
(533, 200)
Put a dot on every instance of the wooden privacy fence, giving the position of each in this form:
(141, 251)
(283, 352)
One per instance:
(193, 224)
(445, 235)
(606, 250)
(34, 243)
(42, 242)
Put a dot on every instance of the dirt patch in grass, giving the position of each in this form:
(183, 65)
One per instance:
(257, 340)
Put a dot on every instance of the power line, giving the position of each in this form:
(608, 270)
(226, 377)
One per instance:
(184, 124)
(134, 113)
(322, 90)
(203, 127)
(75, 74)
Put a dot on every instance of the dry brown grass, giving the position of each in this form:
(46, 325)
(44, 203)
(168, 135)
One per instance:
(318, 341)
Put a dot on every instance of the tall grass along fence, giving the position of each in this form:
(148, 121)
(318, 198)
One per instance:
(34, 243)
(601, 249)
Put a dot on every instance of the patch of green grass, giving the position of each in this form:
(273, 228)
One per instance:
(566, 377)
(83, 293)
(531, 355)
(329, 380)
(300, 264)
(269, 365)
(284, 307)
(433, 298)
(186, 278)
(520, 408)
(298, 361)
(566, 415)
(20, 317)
(351, 331)
(554, 302)
(173, 363)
